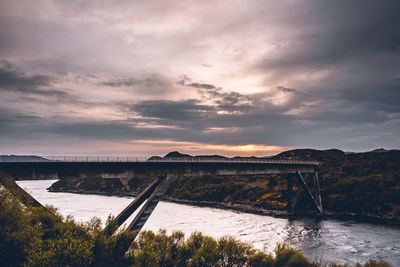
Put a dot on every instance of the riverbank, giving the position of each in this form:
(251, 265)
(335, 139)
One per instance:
(285, 214)
(254, 210)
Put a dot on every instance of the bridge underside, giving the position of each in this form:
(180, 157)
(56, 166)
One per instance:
(65, 170)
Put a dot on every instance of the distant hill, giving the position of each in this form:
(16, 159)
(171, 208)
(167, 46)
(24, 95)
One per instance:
(23, 158)
(210, 156)
(176, 154)
(311, 154)
(154, 158)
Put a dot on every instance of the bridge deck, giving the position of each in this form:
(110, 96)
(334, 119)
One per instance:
(168, 159)
(154, 168)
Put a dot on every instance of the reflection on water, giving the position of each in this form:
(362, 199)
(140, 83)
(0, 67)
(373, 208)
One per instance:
(333, 240)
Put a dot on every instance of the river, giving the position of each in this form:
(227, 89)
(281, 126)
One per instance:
(331, 240)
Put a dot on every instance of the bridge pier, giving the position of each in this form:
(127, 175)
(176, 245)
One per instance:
(293, 200)
(290, 194)
(318, 191)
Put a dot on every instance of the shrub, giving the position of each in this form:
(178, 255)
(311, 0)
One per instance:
(41, 237)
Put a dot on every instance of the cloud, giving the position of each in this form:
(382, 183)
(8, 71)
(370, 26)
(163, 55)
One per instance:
(121, 82)
(146, 84)
(287, 90)
(286, 73)
(8, 118)
(189, 110)
(384, 97)
(202, 85)
(223, 101)
(186, 81)
(12, 80)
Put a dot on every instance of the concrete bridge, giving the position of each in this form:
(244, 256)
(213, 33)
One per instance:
(164, 171)
(75, 167)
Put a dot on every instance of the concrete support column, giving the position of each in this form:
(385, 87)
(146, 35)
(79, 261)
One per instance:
(290, 193)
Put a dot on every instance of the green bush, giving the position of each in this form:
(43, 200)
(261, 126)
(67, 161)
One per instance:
(41, 237)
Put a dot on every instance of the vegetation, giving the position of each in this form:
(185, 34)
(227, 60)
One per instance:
(361, 183)
(41, 237)
(254, 191)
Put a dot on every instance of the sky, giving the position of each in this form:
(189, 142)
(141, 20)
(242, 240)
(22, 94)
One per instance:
(232, 77)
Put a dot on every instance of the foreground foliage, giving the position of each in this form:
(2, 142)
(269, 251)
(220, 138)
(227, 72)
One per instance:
(40, 237)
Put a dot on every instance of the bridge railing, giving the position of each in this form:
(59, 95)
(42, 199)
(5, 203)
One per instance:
(174, 159)
(233, 160)
(95, 158)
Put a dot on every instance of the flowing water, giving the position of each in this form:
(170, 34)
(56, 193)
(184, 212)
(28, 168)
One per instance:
(331, 240)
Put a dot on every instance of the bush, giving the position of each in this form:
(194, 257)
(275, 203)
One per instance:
(41, 237)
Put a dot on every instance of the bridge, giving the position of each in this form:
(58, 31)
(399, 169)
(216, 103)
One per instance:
(164, 171)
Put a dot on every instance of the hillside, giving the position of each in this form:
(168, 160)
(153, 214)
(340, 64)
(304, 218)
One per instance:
(362, 183)
(24, 158)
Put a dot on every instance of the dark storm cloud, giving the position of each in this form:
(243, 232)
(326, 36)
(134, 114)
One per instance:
(340, 32)
(186, 81)
(224, 101)
(224, 111)
(122, 82)
(15, 124)
(10, 117)
(287, 90)
(194, 120)
(13, 80)
(185, 110)
(202, 85)
(234, 102)
(255, 119)
(384, 97)
(355, 45)
(38, 88)
(154, 84)
(19, 125)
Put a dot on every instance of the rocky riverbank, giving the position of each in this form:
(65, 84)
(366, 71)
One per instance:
(248, 208)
